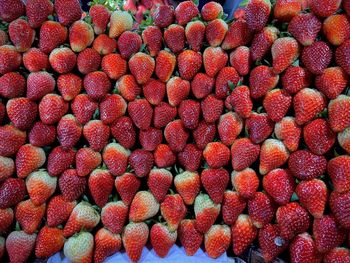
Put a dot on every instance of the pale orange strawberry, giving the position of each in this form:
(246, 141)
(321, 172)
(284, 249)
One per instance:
(120, 21)
(217, 240)
(134, 238)
(29, 216)
(187, 185)
(162, 239)
(143, 206)
(214, 59)
(245, 182)
(195, 32)
(190, 238)
(114, 216)
(273, 154)
(288, 132)
(336, 29)
(79, 248)
(40, 186)
(49, 241)
(114, 66)
(177, 90)
(81, 35)
(243, 232)
(237, 35)
(165, 65)
(285, 10)
(113, 152)
(206, 212)
(106, 244)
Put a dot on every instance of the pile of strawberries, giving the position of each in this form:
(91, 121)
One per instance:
(187, 127)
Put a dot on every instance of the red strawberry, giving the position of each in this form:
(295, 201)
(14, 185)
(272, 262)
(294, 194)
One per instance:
(336, 29)
(240, 59)
(257, 14)
(141, 113)
(285, 10)
(28, 159)
(270, 242)
(173, 210)
(6, 219)
(239, 100)
(316, 57)
(97, 85)
(29, 216)
(2, 112)
(273, 155)
(277, 103)
(190, 157)
(292, 219)
(21, 34)
(215, 32)
(217, 240)
(189, 112)
(52, 34)
(128, 87)
(280, 185)
(22, 112)
(212, 108)
(100, 183)
(195, 32)
(226, 76)
(83, 108)
(115, 157)
(124, 131)
(215, 182)
(10, 59)
(176, 135)
(52, 107)
(259, 127)
(81, 35)
(245, 182)
(339, 172)
(165, 65)
(211, 11)
(233, 205)
(338, 254)
(214, 59)
(104, 45)
(68, 11)
(12, 191)
(201, 85)
(10, 10)
(190, 238)
(150, 138)
(40, 186)
(100, 16)
(59, 160)
(12, 85)
(20, 241)
(162, 239)
(58, 210)
(163, 114)
(7, 167)
(244, 153)
(261, 80)
(152, 36)
(342, 56)
(305, 28)
(187, 184)
(163, 15)
(189, 62)
(185, 12)
(127, 185)
(303, 249)
(154, 91)
(324, 8)
(344, 139)
(338, 203)
(238, 34)
(97, 134)
(89, 60)
(129, 43)
(243, 232)
(346, 6)
(261, 209)
(164, 156)
(177, 90)
(307, 104)
(69, 85)
(120, 21)
(134, 238)
(216, 154)
(106, 244)
(331, 82)
(141, 161)
(284, 52)
(262, 42)
(295, 78)
(159, 182)
(71, 185)
(174, 37)
(39, 84)
(69, 131)
(62, 60)
(49, 241)
(114, 215)
(86, 160)
(79, 248)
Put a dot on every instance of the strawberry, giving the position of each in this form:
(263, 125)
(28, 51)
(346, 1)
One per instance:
(295, 78)
(10, 10)
(40, 186)
(174, 38)
(141, 113)
(316, 57)
(195, 32)
(69, 131)
(292, 219)
(338, 113)
(164, 156)
(259, 127)
(116, 157)
(106, 244)
(83, 108)
(284, 52)
(141, 161)
(58, 210)
(52, 107)
(143, 206)
(240, 59)
(88, 60)
(7, 167)
(338, 254)
(233, 205)
(162, 239)
(243, 232)
(346, 6)
(68, 11)
(305, 28)
(97, 134)
(270, 242)
(103, 44)
(150, 138)
(100, 16)
(187, 184)
(215, 182)
(307, 104)
(22, 112)
(114, 215)
(101, 184)
(10, 59)
(129, 43)
(176, 135)
(120, 22)
(134, 238)
(202, 85)
(49, 241)
(141, 66)
(280, 185)
(211, 11)
(277, 103)
(165, 65)
(245, 182)
(79, 248)
(342, 56)
(86, 160)
(336, 29)
(177, 90)
(20, 241)
(216, 154)
(29, 216)
(226, 76)
(173, 210)
(285, 10)
(331, 82)
(81, 35)
(261, 80)
(214, 59)
(152, 37)
(12, 85)
(71, 184)
(189, 112)
(190, 238)
(344, 139)
(243, 153)
(3, 37)
(154, 91)
(212, 108)
(124, 131)
(190, 157)
(6, 219)
(97, 85)
(262, 42)
(69, 85)
(324, 8)
(339, 172)
(21, 34)
(215, 32)
(239, 100)
(159, 182)
(128, 87)
(189, 62)
(52, 34)
(62, 60)
(59, 160)
(39, 84)
(2, 112)
(238, 34)
(257, 14)
(217, 240)
(163, 114)
(28, 159)
(127, 185)
(185, 12)
(273, 154)
(82, 216)
(163, 15)
(338, 202)
(303, 249)
(261, 209)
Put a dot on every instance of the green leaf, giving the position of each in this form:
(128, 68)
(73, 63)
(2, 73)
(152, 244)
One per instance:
(244, 3)
(196, 2)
